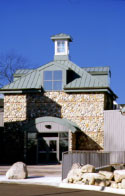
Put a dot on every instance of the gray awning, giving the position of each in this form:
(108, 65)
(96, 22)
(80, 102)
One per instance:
(61, 121)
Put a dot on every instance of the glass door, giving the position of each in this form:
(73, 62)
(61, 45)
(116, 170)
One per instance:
(48, 150)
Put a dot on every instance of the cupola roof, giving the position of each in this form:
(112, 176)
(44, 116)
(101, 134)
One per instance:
(61, 36)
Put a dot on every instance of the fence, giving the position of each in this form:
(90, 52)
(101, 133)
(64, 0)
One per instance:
(95, 158)
(1, 119)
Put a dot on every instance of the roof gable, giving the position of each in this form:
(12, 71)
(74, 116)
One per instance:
(51, 64)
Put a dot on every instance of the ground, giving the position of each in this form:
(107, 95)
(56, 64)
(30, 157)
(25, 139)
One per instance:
(40, 190)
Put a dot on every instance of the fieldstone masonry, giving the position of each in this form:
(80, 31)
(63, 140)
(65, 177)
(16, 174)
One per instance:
(15, 107)
(84, 109)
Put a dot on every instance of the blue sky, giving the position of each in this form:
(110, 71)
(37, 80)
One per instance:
(97, 28)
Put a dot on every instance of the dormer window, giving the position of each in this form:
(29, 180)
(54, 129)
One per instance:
(61, 47)
(52, 80)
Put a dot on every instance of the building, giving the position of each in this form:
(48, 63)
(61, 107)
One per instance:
(1, 127)
(56, 107)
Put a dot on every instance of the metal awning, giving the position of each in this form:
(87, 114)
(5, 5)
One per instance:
(69, 125)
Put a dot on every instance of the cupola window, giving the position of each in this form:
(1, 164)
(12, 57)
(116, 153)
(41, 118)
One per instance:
(52, 80)
(60, 46)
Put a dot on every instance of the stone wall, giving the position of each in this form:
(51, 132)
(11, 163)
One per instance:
(84, 109)
(15, 108)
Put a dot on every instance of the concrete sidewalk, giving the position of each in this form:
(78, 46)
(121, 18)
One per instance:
(38, 180)
(57, 182)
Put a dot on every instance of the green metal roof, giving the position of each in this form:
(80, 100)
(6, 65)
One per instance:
(21, 72)
(32, 79)
(69, 124)
(86, 81)
(61, 36)
(29, 81)
(97, 70)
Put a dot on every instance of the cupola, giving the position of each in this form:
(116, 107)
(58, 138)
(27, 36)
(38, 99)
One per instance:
(61, 42)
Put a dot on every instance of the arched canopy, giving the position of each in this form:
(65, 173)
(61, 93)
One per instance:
(52, 121)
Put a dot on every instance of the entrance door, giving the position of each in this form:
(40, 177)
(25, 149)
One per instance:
(48, 150)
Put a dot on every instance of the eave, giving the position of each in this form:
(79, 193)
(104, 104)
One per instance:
(19, 91)
(103, 89)
(67, 90)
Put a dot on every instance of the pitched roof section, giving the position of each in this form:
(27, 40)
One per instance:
(33, 78)
(86, 81)
(70, 65)
(99, 70)
(20, 72)
(29, 81)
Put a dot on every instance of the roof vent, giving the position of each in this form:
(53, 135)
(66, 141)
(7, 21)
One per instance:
(48, 126)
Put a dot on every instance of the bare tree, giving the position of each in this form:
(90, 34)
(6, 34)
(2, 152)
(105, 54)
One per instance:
(9, 63)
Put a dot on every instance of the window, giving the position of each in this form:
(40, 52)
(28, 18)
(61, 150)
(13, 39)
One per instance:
(52, 80)
(61, 46)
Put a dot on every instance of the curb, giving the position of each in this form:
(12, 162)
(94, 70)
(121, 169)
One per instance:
(92, 188)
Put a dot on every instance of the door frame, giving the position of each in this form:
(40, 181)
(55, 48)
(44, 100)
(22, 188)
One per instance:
(48, 139)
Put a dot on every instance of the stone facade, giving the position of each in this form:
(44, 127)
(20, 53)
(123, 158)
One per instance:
(86, 110)
(15, 107)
